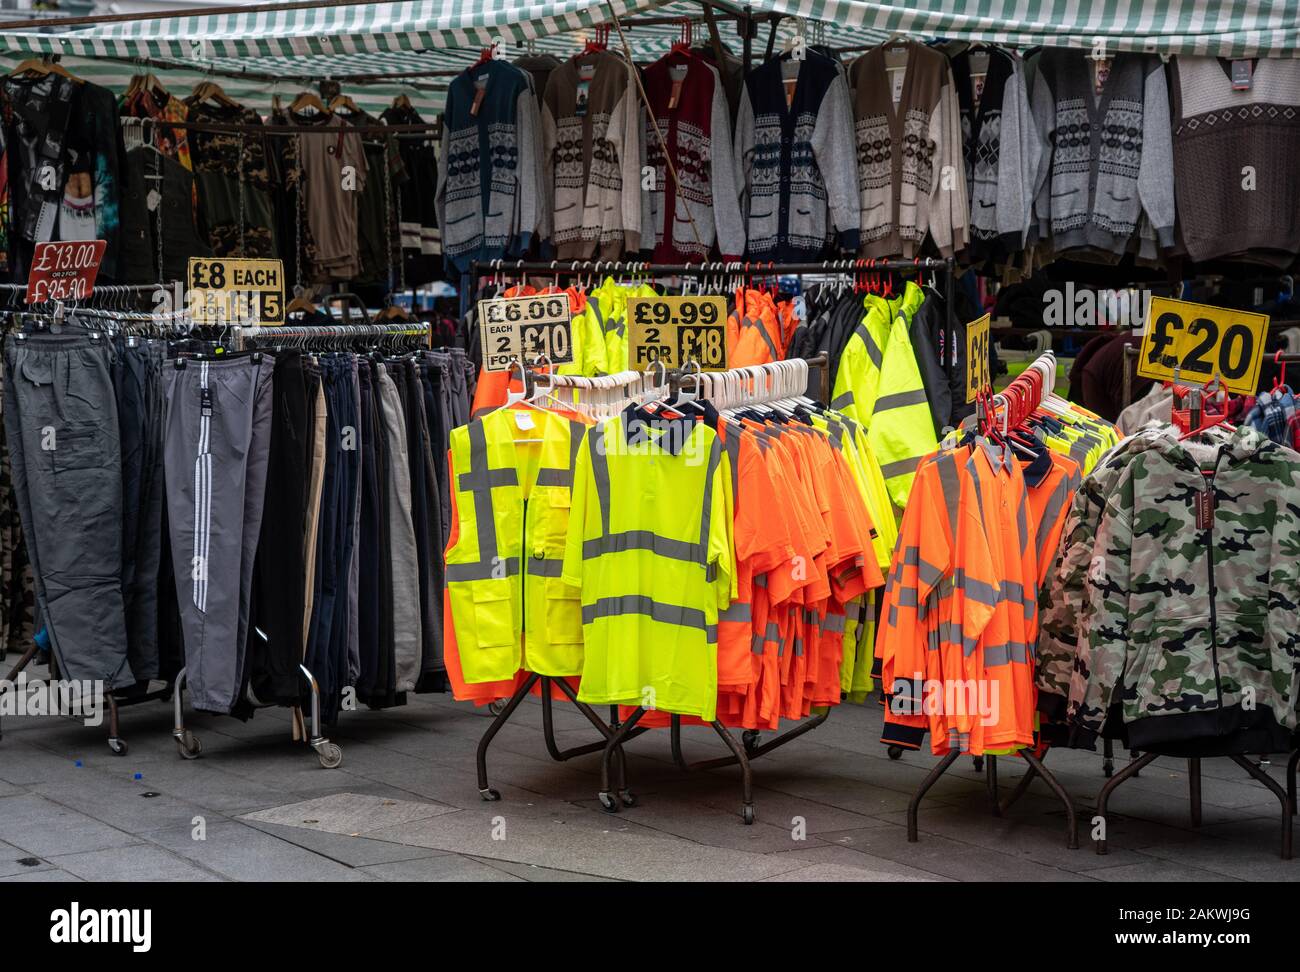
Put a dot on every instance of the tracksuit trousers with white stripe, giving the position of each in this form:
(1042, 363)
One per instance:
(217, 440)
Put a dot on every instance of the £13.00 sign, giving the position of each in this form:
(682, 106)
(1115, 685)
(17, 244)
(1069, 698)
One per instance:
(64, 270)
(1195, 343)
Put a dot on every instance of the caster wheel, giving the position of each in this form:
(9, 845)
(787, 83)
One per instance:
(1108, 769)
(628, 798)
(895, 752)
(490, 795)
(608, 803)
(117, 746)
(330, 755)
(747, 814)
(188, 745)
(750, 738)
(978, 763)
(497, 707)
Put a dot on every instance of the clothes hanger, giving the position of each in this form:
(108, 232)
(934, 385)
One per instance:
(46, 64)
(343, 104)
(307, 102)
(208, 92)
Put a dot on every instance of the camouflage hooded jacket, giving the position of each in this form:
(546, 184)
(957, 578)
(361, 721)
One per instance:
(1194, 598)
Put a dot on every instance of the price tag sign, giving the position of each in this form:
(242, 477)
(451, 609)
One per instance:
(1192, 343)
(523, 328)
(64, 270)
(977, 357)
(226, 290)
(675, 330)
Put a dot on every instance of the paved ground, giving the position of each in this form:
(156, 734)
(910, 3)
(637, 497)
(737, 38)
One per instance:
(404, 806)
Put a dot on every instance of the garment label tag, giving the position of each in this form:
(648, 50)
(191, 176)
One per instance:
(675, 96)
(585, 75)
(480, 89)
(1241, 75)
(896, 77)
(977, 87)
(1100, 72)
(524, 421)
(678, 75)
(790, 86)
(205, 401)
(1205, 509)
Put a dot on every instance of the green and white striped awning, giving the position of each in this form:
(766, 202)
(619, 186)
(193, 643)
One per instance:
(387, 47)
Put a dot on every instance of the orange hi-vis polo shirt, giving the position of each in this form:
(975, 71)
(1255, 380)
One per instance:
(754, 330)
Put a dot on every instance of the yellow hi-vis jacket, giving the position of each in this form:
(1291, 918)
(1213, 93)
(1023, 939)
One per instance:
(503, 570)
(607, 308)
(879, 384)
(650, 543)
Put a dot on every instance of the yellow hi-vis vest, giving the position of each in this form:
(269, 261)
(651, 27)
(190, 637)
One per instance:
(879, 384)
(503, 570)
(650, 544)
(607, 307)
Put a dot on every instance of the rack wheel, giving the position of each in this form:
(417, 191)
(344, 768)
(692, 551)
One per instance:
(895, 752)
(628, 798)
(750, 739)
(188, 745)
(978, 763)
(497, 706)
(607, 802)
(330, 755)
(117, 746)
(490, 795)
(1107, 769)
(747, 814)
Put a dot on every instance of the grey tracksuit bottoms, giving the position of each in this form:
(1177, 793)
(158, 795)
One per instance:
(61, 421)
(217, 438)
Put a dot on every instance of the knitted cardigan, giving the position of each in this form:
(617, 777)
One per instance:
(592, 159)
(1225, 209)
(795, 163)
(910, 172)
(489, 200)
(687, 218)
(1002, 151)
(1111, 159)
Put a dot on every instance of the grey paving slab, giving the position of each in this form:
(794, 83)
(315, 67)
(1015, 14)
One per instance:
(10, 856)
(132, 864)
(531, 872)
(349, 813)
(344, 848)
(1152, 869)
(51, 875)
(243, 853)
(43, 828)
(819, 852)
(444, 868)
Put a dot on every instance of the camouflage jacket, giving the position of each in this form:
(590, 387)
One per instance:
(1062, 601)
(1194, 598)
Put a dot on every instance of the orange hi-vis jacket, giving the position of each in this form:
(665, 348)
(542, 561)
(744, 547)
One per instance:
(755, 331)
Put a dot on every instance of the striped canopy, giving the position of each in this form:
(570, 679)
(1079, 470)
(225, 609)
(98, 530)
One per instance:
(384, 47)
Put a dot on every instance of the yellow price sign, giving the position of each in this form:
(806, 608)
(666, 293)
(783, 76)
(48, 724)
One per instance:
(675, 330)
(1193, 343)
(523, 328)
(227, 290)
(978, 377)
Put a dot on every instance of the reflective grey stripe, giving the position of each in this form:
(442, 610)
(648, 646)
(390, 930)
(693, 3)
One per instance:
(762, 330)
(900, 468)
(483, 570)
(907, 597)
(477, 479)
(842, 401)
(798, 646)
(1051, 513)
(737, 611)
(772, 636)
(911, 556)
(620, 606)
(893, 616)
(600, 472)
(642, 540)
(900, 400)
(715, 457)
(550, 476)
(1022, 525)
(978, 590)
(950, 483)
(1026, 597)
(731, 439)
(873, 350)
(576, 431)
(834, 623)
(929, 573)
(975, 484)
(1015, 651)
(760, 580)
(544, 567)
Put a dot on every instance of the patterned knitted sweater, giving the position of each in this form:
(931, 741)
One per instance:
(1111, 160)
(489, 200)
(910, 172)
(795, 161)
(1236, 158)
(592, 135)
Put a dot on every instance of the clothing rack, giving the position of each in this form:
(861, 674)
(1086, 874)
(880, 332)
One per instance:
(1031, 395)
(301, 333)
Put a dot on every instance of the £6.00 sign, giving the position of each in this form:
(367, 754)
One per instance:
(523, 328)
(64, 270)
(1193, 343)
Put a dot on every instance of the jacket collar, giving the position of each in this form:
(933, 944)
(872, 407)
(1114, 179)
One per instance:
(668, 434)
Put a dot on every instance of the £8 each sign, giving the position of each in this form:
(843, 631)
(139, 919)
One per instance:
(1194, 343)
(978, 377)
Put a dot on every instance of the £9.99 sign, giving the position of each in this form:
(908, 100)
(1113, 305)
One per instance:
(64, 270)
(1192, 343)
(524, 328)
(675, 330)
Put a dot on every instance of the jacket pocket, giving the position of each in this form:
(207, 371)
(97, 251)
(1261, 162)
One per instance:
(563, 613)
(494, 622)
(78, 447)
